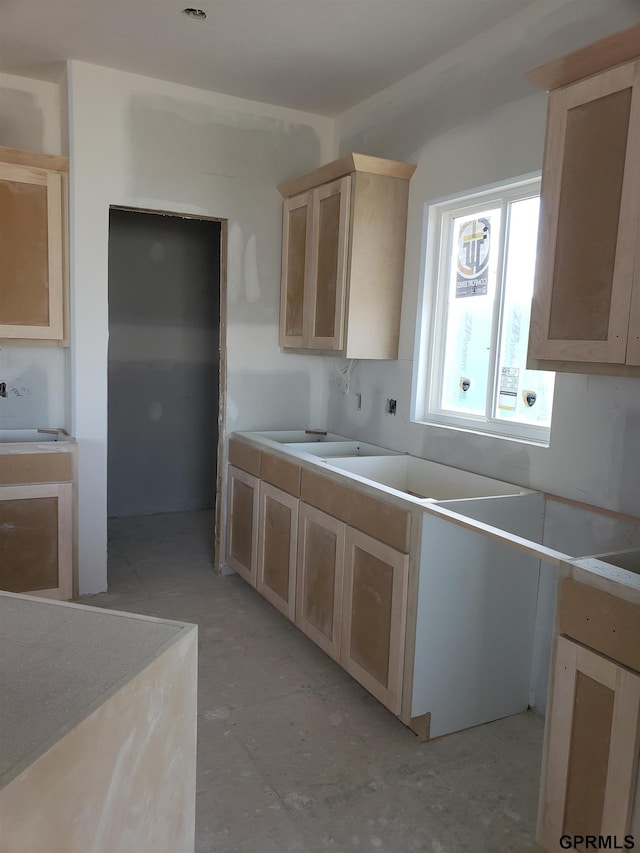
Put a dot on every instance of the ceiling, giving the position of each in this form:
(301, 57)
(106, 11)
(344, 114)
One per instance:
(322, 56)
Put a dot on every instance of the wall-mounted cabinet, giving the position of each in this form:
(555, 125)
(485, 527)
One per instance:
(343, 244)
(33, 203)
(586, 308)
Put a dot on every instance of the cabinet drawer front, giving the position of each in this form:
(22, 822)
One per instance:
(281, 473)
(244, 456)
(601, 621)
(16, 468)
(379, 519)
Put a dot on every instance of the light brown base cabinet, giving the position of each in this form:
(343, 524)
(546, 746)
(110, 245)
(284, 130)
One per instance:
(242, 523)
(592, 743)
(35, 539)
(277, 540)
(341, 586)
(375, 607)
(319, 578)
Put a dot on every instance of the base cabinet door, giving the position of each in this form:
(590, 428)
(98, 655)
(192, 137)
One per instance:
(36, 539)
(242, 523)
(277, 548)
(375, 603)
(319, 578)
(592, 748)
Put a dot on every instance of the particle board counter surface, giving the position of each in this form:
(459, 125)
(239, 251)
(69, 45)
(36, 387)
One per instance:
(106, 702)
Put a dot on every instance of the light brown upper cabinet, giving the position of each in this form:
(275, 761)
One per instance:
(33, 235)
(585, 314)
(343, 245)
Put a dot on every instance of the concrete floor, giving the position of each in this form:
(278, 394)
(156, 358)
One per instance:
(293, 755)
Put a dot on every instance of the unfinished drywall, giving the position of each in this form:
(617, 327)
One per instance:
(469, 146)
(468, 121)
(36, 377)
(137, 142)
(164, 322)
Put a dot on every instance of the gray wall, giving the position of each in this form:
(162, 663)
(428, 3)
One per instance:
(164, 317)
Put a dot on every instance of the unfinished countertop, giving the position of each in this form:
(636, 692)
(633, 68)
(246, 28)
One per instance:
(14, 441)
(459, 496)
(59, 662)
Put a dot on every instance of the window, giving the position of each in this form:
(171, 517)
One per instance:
(472, 338)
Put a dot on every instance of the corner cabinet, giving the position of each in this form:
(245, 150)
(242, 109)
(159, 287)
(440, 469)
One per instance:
(586, 307)
(590, 783)
(33, 266)
(343, 244)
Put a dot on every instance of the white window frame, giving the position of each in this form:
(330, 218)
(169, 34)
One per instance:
(431, 315)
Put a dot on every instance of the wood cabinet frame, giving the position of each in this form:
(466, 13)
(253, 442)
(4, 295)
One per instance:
(236, 475)
(63, 493)
(611, 305)
(310, 515)
(366, 242)
(269, 492)
(622, 770)
(24, 167)
(390, 694)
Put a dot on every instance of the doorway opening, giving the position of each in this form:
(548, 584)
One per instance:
(166, 379)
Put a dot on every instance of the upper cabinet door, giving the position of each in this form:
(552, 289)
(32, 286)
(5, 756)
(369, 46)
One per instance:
(31, 253)
(326, 305)
(589, 220)
(343, 258)
(296, 268)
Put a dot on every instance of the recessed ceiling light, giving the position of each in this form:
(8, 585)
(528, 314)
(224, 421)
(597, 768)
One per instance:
(195, 14)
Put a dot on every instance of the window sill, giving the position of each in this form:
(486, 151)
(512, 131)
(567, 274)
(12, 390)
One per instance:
(487, 431)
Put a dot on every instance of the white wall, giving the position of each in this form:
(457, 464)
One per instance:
(144, 143)
(468, 120)
(36, 376)
(461, 122)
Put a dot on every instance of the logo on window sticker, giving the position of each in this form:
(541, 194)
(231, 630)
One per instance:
(474, 244)
(465, 383)
(529, 398)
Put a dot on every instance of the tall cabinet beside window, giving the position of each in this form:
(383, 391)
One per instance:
(33, 239)
(586, 308)
(343, 244)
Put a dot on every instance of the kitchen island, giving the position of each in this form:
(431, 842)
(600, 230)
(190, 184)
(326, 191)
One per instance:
(98, 730)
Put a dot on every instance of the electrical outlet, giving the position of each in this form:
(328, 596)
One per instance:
(391, 407)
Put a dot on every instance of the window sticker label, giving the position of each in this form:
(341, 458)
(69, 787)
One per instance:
(509, 379)
(474, 243)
